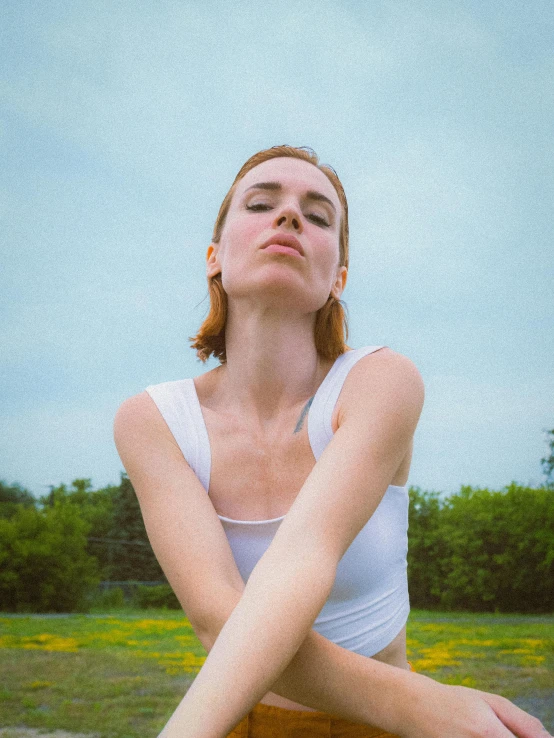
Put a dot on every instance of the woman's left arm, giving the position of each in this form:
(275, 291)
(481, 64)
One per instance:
(291, 582)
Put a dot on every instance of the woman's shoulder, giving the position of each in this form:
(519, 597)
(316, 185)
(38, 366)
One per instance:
(137, 408)
(384, 372)
(138, 422)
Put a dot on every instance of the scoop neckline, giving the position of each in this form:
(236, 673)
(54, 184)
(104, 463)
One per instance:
(282, 517)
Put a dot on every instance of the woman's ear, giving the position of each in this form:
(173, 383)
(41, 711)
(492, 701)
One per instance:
(340, 283)
(213, 266)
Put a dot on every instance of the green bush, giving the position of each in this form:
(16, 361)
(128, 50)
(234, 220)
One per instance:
(44, 566)
(482, 550)
(425, 545)
(159, 595)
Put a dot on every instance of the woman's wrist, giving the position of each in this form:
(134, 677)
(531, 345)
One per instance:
(388, 690)
(401, 703)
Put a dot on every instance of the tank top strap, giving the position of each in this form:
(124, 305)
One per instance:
(320, 429)
(178, 403)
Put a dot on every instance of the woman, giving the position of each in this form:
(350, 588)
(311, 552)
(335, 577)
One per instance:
(309, 510)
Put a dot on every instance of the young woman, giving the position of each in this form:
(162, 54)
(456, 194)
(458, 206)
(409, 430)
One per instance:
(273, 488)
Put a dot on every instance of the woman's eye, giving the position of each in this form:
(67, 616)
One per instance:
(258, 206)
(319, 220)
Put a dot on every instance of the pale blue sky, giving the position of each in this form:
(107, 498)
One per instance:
(122, 127)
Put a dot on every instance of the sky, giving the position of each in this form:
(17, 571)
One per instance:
(122, 127)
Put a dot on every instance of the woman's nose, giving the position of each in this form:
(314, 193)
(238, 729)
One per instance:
(289, 216)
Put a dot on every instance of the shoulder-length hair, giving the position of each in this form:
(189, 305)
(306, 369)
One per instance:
(331, 325)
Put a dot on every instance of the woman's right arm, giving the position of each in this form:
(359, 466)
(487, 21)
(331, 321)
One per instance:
(190, 544)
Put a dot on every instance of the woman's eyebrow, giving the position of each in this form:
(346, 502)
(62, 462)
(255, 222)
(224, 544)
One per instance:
(310, 195)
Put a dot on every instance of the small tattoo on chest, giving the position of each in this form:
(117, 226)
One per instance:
(303, 415)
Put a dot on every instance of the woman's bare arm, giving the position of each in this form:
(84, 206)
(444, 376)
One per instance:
(292, 581)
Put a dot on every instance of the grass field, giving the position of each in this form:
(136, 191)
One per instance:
(122, 674)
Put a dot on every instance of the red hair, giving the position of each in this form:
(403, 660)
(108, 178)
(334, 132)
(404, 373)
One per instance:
(331, 326)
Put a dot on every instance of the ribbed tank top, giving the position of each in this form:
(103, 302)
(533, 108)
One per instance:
(369, 602)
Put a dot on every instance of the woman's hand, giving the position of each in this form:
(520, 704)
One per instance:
(518, 721)
(446, 711)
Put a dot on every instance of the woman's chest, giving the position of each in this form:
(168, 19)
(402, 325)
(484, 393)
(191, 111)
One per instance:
(257, 476)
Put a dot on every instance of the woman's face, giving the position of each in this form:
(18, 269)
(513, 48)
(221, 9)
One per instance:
(297, 201)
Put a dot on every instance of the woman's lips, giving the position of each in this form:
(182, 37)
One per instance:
(278, 248)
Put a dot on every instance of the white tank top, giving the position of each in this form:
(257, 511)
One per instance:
(369, 602)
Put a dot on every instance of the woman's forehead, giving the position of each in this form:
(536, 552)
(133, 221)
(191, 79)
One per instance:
(290, 173)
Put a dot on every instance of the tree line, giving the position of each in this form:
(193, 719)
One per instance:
(477, 550)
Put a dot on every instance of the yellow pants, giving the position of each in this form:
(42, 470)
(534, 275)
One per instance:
(269, 721)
